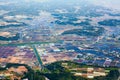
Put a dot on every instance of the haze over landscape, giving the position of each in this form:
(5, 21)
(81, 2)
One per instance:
(70, 39)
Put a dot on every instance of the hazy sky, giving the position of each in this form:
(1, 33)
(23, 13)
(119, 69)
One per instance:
(114, 4)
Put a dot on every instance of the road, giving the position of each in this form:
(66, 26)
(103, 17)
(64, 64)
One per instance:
(38, 56)
(28, 43)
(22, 44)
